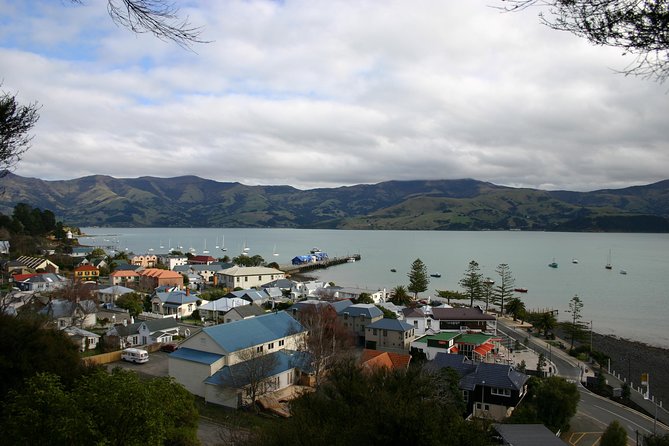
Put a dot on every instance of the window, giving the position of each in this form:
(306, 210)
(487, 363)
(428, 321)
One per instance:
(281, 343)
(415, 324)
(260, 278)
(259, 349)
(270, 346)
(246, 278)
(465, 396)
(385, 332)
(374, 331)
(500, 392)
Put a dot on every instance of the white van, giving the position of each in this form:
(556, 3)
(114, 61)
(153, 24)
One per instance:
(136, 355)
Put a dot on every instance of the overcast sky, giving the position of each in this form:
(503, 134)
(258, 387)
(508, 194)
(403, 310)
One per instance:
(314, 93)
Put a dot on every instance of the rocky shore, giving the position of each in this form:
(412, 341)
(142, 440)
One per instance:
(630, 358)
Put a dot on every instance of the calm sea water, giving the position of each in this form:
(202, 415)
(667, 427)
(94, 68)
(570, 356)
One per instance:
(633, 306)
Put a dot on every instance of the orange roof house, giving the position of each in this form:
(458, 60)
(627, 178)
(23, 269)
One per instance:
(374, 359)
(124, 277)
(86, 273)
(152, 278)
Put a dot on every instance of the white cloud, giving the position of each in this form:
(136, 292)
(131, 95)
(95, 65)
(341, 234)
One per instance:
(320, 94)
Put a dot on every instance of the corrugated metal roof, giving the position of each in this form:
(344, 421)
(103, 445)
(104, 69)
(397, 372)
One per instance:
(188, 354)
(246, 333)
(391, 324)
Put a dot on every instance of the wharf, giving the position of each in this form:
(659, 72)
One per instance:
(297, 269)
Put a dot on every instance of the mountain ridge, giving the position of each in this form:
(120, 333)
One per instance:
(459, 204)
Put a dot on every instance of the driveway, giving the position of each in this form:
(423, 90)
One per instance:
(157, 365)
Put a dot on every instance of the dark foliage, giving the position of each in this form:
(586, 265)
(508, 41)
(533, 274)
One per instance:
(379, 408)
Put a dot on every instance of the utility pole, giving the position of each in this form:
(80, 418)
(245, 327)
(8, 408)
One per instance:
(590, 338)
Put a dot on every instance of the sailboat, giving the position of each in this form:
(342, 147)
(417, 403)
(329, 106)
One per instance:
(608, 261)
(217, 246)
(274, 253)
(246, 248)
(553, 264)
(205, 251)
(223, 248)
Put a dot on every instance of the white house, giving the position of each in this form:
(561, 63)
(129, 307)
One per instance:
(84, 339)
(247, 276)
(145, 332)
(210, 363)
(216, 309)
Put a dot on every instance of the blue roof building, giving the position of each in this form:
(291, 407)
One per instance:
(210, 362)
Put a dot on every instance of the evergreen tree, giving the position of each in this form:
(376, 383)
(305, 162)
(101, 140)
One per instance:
(504, 289)
(418, 279)
(574, 328)
(472, 282)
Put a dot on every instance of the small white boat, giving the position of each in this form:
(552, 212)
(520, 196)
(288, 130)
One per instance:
(205, 251)
(623, 272)
(274, 253)
(574, 260)
(223, 248)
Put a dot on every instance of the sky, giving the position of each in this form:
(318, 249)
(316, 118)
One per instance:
(312, 93)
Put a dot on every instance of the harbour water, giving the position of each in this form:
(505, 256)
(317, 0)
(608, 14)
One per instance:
(634, 306)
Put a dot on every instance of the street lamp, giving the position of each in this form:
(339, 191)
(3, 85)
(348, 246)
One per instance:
(483, 396)
(590, 338)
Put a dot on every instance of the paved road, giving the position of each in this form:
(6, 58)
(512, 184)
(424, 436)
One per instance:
(599, 411)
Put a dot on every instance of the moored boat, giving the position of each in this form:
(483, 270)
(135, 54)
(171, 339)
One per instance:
(553, 264)
(520, 290)
(435, 275)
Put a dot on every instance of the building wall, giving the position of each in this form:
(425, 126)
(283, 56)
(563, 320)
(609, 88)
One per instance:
(192, 374)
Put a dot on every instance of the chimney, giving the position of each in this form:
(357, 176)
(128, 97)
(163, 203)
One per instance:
(132, 320)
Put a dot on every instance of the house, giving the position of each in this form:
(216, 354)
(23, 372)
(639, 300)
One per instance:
(392, 335)
(376, 359)
(243, 312)
(377, 296)
(177, 302)
(490, 391)
(81, 251)
(173, 260)
(205, 362)
(312, 288)
(83, 339)
(463, 319)
(421, 321)
(217, 309)
(66, 313)
(145, 260)
(247, 276)
(110, 294)
(357, 316)
(152, 278)
(39, 282)
(33, 264)
(430, 345)
(201, 260)
(144, 332)
(86, 273)
(477, 346)
(253, 296)
(126, 278)
(527, 435)
(205, 272)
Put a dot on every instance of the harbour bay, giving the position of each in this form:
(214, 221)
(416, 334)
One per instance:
(632, 306)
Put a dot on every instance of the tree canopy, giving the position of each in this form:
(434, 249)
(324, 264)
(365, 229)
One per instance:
(16, 121)
(471, 283)
(551, 401)
(382, 407)
(102, 408)
(418, 279)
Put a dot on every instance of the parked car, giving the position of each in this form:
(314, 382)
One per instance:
(136, 355)
(168, 347)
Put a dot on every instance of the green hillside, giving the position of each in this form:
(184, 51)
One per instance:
(420, 205)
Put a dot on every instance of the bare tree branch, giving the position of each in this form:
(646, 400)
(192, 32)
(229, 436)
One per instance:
(638, 27)
(157, 17)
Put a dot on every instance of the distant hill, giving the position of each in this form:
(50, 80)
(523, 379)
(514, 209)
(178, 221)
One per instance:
(420, 205)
